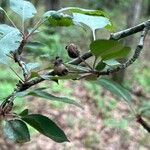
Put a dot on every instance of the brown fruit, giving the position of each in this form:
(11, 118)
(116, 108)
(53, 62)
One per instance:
(59, 68)
(73, 51)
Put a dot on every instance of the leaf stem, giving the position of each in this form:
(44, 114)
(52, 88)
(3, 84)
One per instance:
(94, 34)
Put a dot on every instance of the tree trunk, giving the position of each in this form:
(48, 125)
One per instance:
(132, 18)
(148, 9)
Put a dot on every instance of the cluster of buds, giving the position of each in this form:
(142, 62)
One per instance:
(59, 68)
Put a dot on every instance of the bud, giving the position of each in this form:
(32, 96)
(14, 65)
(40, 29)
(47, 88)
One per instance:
(72, 50)
(59, 68)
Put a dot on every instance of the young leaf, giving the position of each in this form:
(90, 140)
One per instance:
(17, 131)
(58, 19)
(109, 49)
(43, 94)
(46, 126)
(115, 88)
(24, 9)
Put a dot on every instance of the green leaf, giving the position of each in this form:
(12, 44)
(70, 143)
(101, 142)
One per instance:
(89, 77)
(85, 11)
(111, 62)
(76, 67)
(46, 126)
(94, 22)
(100, 66)
(40, 93)
(109, 49)
(95, 19)
(24, 112)
(56, 18)
(17, 131)
(24, 9)
(10, 39)
(115, 88)
(66, 77)
(43, 94)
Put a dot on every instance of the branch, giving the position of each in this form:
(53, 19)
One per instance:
(18, 59)
(143, 123)
(132, 59)
(116, 36)
(129, 31)
(143, 26)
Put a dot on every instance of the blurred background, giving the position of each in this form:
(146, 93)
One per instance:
(105, 123)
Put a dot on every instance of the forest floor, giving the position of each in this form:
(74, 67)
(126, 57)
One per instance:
(85, 128)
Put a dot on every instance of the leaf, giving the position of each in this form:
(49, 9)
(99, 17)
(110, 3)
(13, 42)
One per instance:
(100, 66)
(10, 39)
(46, 126)
(40, 93)
(17, 131)
(111, 62)
(24, 9)
(66, 77)
(94, 22)
(43, 94)
(76, 67)
(96, 17)
(115, 88)
(56, 18)
(24, 112)
(85, 11)
(89, 77)
(109, 49)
